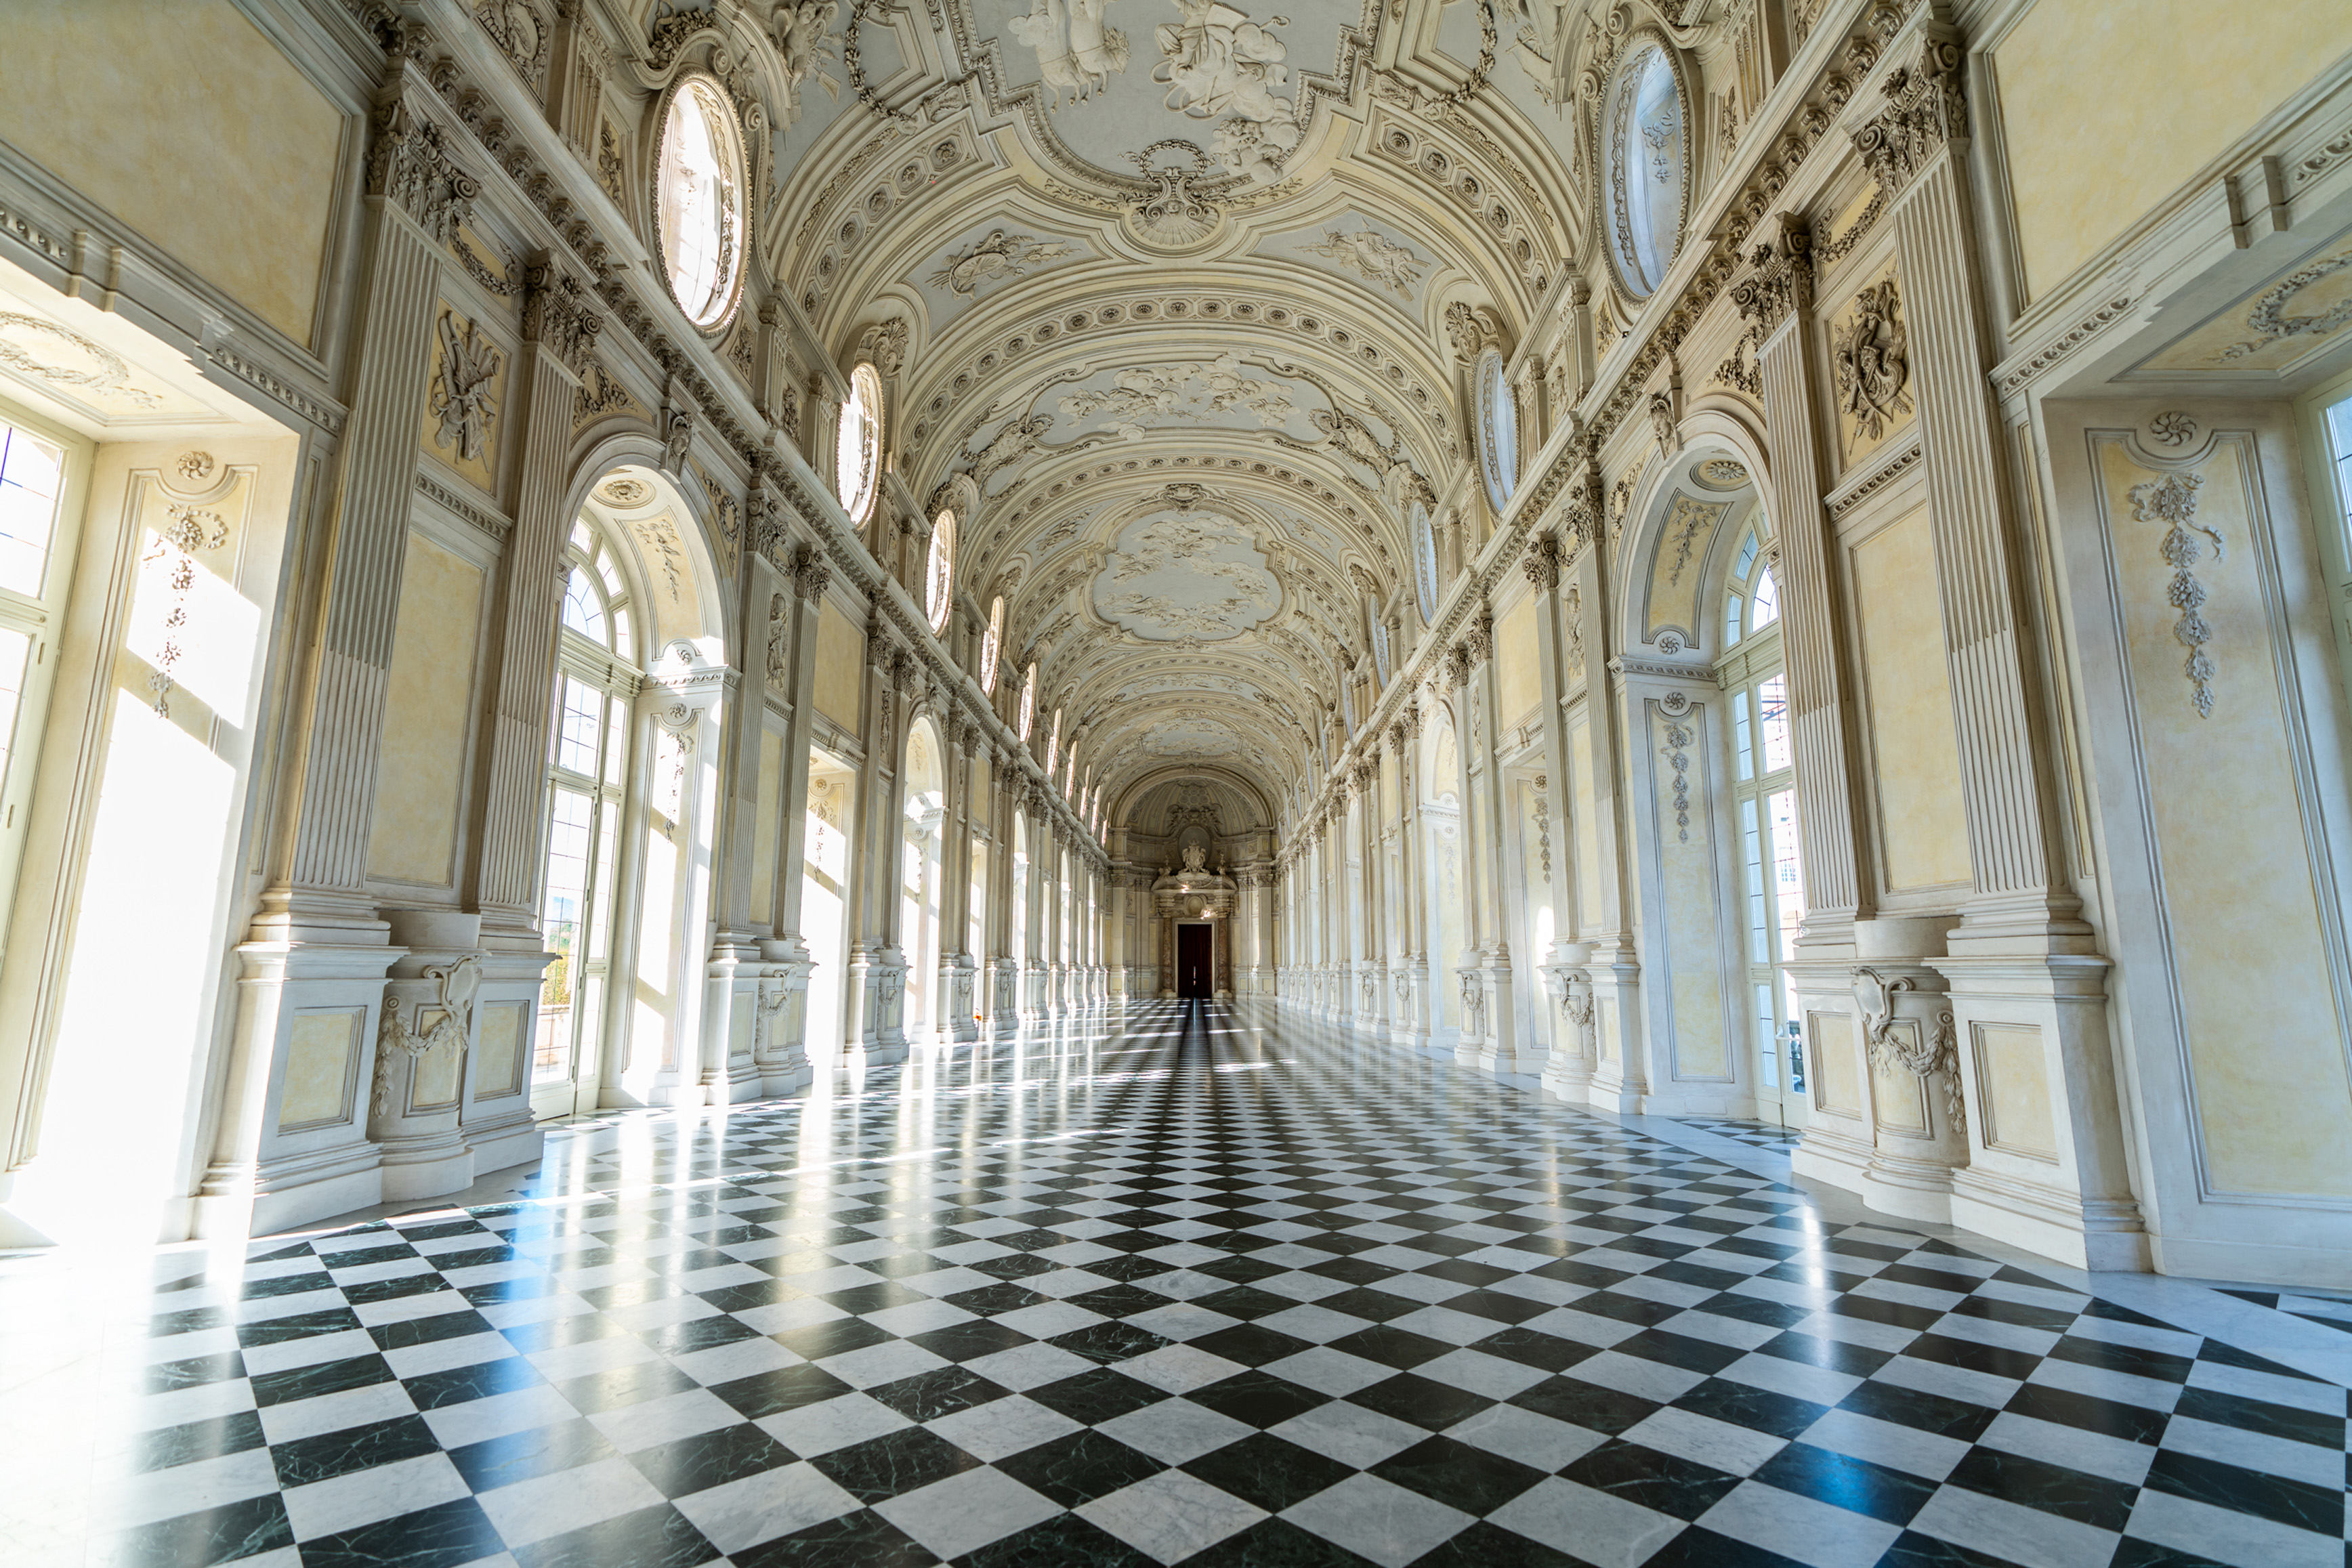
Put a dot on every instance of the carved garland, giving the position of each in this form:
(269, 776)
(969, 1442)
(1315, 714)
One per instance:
(2172, 500)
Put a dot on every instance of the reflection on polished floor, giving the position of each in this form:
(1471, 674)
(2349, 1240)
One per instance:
(1180, 1286)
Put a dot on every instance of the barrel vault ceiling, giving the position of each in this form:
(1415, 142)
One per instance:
(1174, 281)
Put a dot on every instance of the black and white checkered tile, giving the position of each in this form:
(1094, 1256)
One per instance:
(1238, 1297)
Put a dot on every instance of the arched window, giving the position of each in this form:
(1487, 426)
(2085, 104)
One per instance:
(857, 447)
(1027, 715)
(1752, 599)
(587, 777)
(1053, 743)
(992, 645)
(938, 571)
(1764, 794)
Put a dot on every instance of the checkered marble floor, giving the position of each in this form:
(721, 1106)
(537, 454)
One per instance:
(1770, 1135)
(1147, 1291)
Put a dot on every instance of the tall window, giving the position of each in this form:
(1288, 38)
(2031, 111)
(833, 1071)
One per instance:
(991, 646)
(1053, 743)
(858, 444)
(587, 776)
(1765, 796)
(1027, 715)
(938, 571)
(34, 531)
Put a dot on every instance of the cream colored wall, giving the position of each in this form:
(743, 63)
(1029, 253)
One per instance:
(2013, 1090)
(179, 116)
(2251, 958)
(764, 825)
(1837, 1082)
(1517, 678)
(428, 708)
(2107, 108)
(1686, 867)
(1587, 833)
(840, 649)
(318, 1067)
(1915, 757)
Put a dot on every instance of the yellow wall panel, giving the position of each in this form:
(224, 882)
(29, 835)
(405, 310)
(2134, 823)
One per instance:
(2266, 1042)
(2107, 108)
(1923, 824)
(180, 118)
(1517, 672)
(768, 820)
(318, 1068)
(2013, 1090)
(1686, 867)
(420, 782)
(840, 651)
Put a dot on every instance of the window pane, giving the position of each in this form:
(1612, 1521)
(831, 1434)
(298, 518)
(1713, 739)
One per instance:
(1759, 939)
(1768, 1040)
(1744, 742)
(600, 919)
(583, 612)
(32, 473)
(567, 885)
(575, 745)
(1768, 600)
(617, 750)
(1746, 557)
(1772, 721)
(1787, 877)
(1731, 620)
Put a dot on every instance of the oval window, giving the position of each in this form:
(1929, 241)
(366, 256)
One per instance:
(857, 448)
(698, 198)
(1498, 431)
(938, 571)
(1424, 564)
(992, 645)
(1645, 167)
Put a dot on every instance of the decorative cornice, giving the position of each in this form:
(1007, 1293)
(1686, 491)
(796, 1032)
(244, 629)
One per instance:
(494, 525)
(2065, 344)
(1896, 465)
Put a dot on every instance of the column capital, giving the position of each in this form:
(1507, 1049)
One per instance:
(1925, 112)
(409, 163)
(1541, 563)
(1780, 282)
(557, 312)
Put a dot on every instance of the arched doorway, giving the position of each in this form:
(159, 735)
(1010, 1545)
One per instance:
(597, 659)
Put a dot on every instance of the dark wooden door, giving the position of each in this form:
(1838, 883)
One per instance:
(1191, 960)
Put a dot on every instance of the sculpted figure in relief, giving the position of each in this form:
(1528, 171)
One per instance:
(805, 35)
(1074, 50)
(1378, 260)
(1218, 61)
